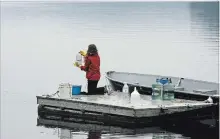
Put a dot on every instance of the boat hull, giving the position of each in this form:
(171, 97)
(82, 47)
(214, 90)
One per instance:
(143, 84)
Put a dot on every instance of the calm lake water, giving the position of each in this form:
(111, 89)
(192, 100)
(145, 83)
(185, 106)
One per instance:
(39, 41)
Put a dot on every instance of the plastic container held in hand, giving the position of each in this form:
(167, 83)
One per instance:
(125, 88)
(79, 59)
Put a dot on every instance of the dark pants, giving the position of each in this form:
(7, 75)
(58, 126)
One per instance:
(92, 88)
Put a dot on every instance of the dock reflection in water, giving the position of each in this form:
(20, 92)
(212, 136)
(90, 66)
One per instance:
(79, 128)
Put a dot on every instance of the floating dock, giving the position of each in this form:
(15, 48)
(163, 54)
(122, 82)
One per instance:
(114, 105)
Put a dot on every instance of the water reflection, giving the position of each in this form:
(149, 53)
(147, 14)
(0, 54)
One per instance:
(64, 133)
(69, 134)
(94, 135)
(94, 130)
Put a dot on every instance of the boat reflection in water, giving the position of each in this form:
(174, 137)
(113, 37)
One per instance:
(79, 128)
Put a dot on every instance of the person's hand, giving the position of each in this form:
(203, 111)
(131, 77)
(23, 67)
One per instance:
(82, 53)
(76, 64)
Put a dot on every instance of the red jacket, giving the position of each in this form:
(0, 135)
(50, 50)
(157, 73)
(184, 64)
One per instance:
(92, 67)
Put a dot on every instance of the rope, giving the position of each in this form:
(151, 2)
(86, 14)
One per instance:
(57, 93)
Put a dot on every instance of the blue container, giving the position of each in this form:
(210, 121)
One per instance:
(76, 89)
(163, 81)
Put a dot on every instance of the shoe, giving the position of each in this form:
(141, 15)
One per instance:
(83, 93)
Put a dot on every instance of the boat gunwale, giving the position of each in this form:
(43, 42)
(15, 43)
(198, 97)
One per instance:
(190, 79)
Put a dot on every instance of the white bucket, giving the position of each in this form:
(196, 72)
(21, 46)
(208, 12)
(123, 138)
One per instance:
(65, 90)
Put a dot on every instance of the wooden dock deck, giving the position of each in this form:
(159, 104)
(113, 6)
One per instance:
(115, 104)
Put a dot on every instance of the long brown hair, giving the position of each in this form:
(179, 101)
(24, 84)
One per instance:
(92, 49)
